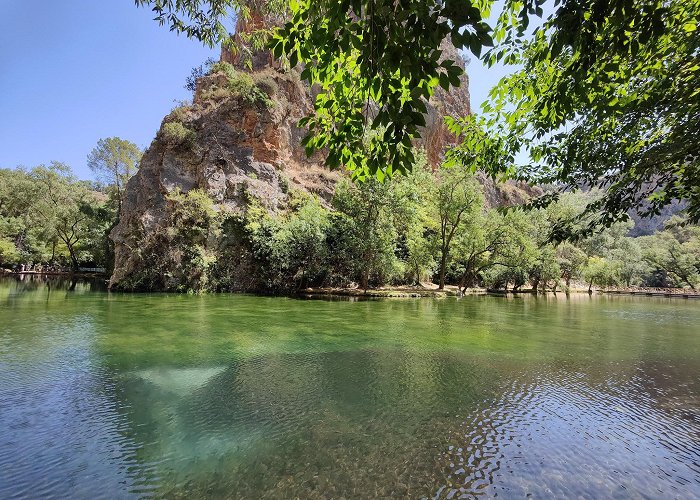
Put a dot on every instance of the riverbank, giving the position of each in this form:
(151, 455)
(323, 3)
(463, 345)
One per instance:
(425, 290)
(52, 274)
(432, 291)
(428, 290)
(396, 292)
(654, 292)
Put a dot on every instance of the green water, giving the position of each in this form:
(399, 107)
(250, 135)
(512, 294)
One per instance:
(111, 395)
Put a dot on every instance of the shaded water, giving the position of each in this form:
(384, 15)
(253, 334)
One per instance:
(105, 395)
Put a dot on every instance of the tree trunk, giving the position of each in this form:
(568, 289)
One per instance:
(73, 257)
(364, 280)
(443, 263)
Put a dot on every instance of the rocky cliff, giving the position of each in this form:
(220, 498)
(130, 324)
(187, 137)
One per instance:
(238, 142)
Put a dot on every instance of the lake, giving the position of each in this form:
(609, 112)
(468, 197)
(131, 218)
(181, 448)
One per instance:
(115, 395)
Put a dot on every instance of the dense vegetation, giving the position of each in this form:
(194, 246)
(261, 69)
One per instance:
(429, 226)
(609, 107)
(418, 228)
(49, 218)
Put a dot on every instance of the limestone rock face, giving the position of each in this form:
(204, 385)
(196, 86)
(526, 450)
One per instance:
(435, 137)
(236, 148)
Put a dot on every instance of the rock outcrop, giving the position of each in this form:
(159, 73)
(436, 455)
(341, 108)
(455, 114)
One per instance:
(228, 145)
(242, 146)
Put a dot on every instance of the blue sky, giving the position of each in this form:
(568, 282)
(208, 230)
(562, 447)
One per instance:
(75, 71)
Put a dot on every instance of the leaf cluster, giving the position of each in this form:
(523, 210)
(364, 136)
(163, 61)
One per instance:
(376, 63)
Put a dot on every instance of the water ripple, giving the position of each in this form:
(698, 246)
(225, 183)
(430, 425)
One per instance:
(557, 435)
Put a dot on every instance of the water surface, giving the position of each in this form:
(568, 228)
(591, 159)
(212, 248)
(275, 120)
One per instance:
(111, 395)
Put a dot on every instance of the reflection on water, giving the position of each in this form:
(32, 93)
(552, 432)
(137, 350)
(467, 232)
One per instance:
(18, 284)
(236, 396)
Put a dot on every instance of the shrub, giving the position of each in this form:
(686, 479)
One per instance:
(180, 113)
(223, 67)
(177, 134)
(241, 84)
(266, 83)
(284, 183)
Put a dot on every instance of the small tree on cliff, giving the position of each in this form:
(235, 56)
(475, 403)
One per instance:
(114, 161)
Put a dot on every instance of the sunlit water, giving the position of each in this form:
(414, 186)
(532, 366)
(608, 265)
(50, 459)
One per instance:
(110, 395)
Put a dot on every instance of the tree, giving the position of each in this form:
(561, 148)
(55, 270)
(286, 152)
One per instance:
(545, 269)
(415, 225)
(60, 205)
(365, 237)
(676, 251)
(18, 223)
(8, 252)
(571, 260)
(304, 235)
(494, 240)
(606, 97)
(290, 247)
(629, 260)
(458, 204)
(114, 161)
(599, 271)
(197, 73)
(200, 19)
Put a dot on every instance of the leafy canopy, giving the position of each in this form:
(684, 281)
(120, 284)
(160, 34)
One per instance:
(606, 97)
(114, 161)
(376, 63)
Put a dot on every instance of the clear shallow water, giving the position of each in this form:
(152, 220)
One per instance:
(108, 395)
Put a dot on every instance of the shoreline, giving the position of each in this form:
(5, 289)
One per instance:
(680, 293)
(406, 291)
(60, 274)
(452, 291)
